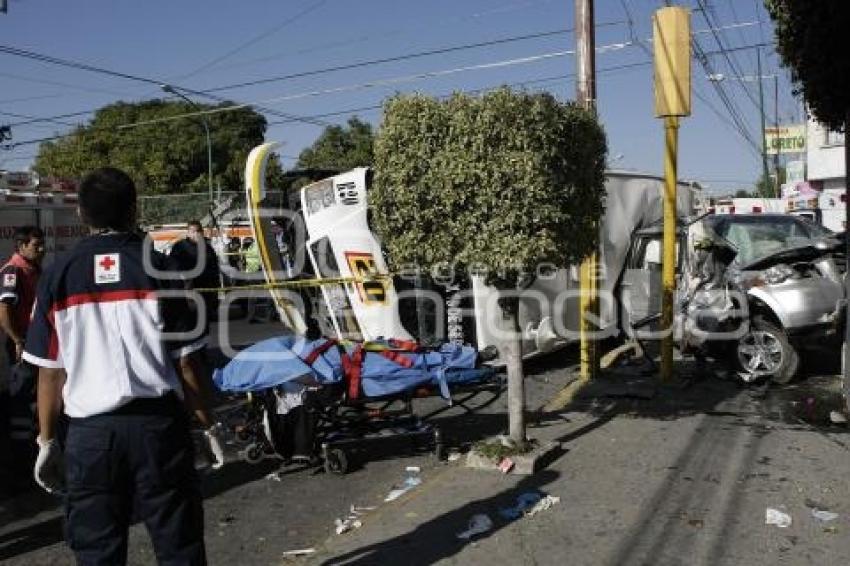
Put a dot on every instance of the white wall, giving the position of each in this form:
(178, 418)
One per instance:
(824, 162)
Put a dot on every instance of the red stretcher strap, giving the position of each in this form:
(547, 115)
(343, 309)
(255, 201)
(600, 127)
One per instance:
(318, 351)
(404, 345)
(398, 358)
(352, 369)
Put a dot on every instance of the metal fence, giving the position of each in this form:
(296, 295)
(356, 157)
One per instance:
(180, 208)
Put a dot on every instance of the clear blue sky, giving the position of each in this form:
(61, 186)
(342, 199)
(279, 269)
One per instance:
(202, 45)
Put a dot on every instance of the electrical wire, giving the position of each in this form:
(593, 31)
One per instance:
(406, 57)
(350, 111)
(48, 59)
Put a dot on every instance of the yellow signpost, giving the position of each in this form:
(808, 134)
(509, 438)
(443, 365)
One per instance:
(671, 40)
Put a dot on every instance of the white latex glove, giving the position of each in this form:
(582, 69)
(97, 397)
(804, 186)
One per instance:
(216, 444)
(49, 470)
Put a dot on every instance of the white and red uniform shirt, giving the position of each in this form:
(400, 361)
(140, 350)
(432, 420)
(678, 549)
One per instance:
(18, 280)
(99, 314)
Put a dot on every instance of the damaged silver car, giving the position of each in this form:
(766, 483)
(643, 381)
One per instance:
(794, 288)
(753, 290)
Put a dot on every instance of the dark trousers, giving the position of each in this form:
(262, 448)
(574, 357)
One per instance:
(136, 462)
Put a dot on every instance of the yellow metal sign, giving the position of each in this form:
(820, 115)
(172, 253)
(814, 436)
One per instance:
(671, 42)
(787, 139)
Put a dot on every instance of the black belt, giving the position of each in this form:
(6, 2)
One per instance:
(166, 405)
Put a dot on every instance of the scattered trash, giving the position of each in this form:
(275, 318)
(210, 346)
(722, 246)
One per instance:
(831, 530)
(411, 514)
(837, 417)
(412, 481)
(275, 476)
(226, 520)
(298, 552)
(506, 465)
(698, 523)
(454, 456)
(524, 501)
(825, 516)
(542, 505)
(343, 526)
(478, 524)
(776, 517)
(352, 521)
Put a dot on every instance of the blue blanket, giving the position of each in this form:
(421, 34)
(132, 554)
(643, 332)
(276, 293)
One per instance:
(280, 360)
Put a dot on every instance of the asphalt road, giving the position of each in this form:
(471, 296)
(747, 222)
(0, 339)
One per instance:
(644, 475)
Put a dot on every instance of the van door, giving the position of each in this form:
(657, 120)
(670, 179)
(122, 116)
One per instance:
(641, 287)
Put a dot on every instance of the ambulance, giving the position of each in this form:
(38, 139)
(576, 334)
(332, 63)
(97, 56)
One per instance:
(52, 206)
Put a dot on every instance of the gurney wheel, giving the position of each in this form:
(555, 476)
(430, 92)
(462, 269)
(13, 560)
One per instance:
(254, 453)
(336, 461)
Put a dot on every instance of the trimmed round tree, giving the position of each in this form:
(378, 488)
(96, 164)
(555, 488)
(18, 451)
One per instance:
(500, 183)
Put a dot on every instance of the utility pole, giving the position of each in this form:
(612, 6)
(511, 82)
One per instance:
(775, 125)
(586, 97)
(671, 42)
(761, 111)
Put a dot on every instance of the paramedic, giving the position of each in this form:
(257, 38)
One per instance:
(96, 334)
(188, 252)
(17, 293)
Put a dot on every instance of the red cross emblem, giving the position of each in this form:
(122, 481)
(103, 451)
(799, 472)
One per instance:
(107, 263)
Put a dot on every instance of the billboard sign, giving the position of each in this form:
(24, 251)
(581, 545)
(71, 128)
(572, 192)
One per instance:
(785, 139)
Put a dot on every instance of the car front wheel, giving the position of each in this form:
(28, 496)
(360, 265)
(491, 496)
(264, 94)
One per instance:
(764, 351)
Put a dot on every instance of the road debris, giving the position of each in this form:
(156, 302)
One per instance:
(837, 417)
(412, 481)
(506, 465)
(454, 456)
(347, 524)
(274, 476)
(542, 505)
(776, 517)
(352, 521)
(298, 552)
(524, 502)
(823, 515)
(478, 524)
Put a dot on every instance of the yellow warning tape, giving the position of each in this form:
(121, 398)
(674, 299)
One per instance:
(292, 284)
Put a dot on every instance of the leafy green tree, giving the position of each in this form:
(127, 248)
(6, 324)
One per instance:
(340, 147)
(497, 185)
(166, 157)
(809, 35)
(741, 193)
(769, 188)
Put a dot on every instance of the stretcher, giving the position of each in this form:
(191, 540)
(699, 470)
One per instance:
(318, 400)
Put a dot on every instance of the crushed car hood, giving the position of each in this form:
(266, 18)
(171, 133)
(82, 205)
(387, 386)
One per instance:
(807, 252)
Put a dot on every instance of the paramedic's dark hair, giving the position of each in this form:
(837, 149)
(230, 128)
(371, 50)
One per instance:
(25, 234)
(108, 199)
(196, 224)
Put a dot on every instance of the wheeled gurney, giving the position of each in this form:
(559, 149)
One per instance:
(315, 400)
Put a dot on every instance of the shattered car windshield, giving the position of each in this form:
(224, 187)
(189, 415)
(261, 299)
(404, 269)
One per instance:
(758, 237)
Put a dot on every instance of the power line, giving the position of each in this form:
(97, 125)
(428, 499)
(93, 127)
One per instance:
(8, 50)
(707, 16)
(33, 118)
(207, 92)
(406, 57)
(372, 107)
(292, 19)
(373, 34)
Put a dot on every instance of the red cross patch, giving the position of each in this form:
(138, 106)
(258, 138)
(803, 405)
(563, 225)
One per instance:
(107, 268)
